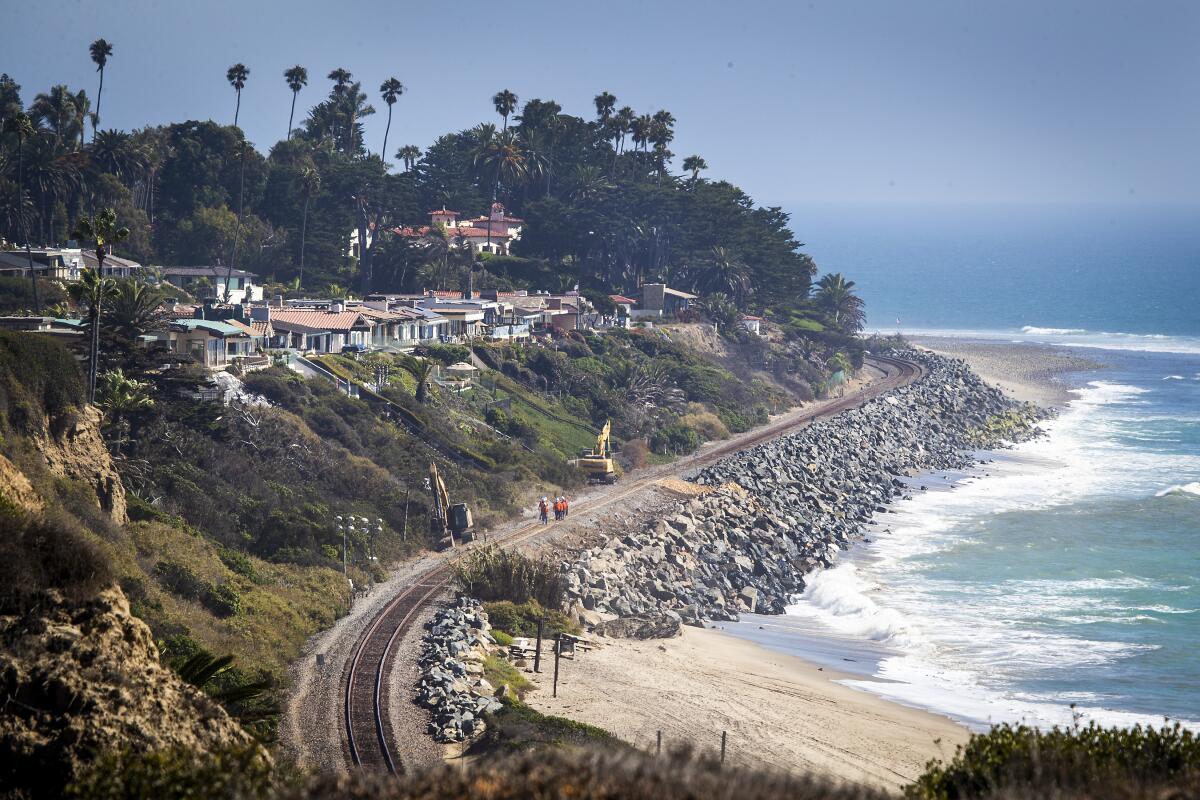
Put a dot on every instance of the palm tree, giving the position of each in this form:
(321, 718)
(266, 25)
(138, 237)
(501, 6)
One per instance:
(237, 75)
(22, 126)
(133, 308)
(297, 79)
(837, 298)
(341, 78)
(641, 128)
(424, 370)
(722, 310)
(623, 124)
(310, 184)
(82, 106)
(100, 51)
(391, 89)
(115, 152)
(505, 103)
(605, 103)
(91, 291)
(409, 155)
(57, 110)
(724, 272)
(694, 164)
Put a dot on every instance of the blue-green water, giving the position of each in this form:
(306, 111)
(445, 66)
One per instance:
(1067, 570)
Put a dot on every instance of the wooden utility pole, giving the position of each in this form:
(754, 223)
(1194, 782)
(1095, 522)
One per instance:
(537, 654)
(557, 653)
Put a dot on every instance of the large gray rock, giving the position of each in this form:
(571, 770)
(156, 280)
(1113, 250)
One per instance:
(642, 626)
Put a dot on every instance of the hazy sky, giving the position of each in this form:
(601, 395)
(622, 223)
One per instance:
(892, 101)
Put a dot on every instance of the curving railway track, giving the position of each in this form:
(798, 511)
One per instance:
(367, 724)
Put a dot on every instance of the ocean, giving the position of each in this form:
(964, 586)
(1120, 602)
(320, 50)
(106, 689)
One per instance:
(1060, 580)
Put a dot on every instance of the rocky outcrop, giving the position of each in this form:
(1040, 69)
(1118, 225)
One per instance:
(452, 685)
(787, 506)
(75, 449)
(78, 680)
(652, 625)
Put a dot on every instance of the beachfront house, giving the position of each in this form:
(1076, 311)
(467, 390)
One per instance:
(213, 344)
(322, 330)
(658, 300)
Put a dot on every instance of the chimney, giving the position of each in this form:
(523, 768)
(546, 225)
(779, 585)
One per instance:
(277, 301)
(337, 306)
(260, 313)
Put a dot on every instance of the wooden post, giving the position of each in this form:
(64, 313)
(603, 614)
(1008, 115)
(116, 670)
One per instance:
(723, 747)
(537, 654)
(658, 746)
(406, 494)
(557, 651)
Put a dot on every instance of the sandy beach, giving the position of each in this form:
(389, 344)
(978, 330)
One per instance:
(1029, 372)
(779, 712)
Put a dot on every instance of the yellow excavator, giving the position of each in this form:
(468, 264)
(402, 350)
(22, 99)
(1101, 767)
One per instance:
(447, 522)
(598, 463)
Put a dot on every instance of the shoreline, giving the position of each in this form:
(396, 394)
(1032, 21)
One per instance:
(794, 710)
(1029, 372)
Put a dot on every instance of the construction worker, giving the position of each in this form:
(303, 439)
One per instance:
(566, 507)
(543, 511)
(558, 508)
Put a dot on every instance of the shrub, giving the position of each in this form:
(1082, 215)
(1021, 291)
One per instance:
(180, 580)
(222, 600)
(502, 638)
(16, 294)
(634, 453)
(522, 620)
(238, 562)
(675, 440)
(494, 574)
(705, 423)
(242, 771)
(46, 552)
(445, 353)
(1021, 761)
(39, 381)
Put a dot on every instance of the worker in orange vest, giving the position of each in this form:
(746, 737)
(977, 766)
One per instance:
(543, 511)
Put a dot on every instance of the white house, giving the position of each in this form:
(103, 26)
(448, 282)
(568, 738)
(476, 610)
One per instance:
(206, 282)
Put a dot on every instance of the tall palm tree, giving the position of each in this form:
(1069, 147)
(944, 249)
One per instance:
(505, 103)
(605, 103)
(310, 184)
(622, 125)
(237, 75)
(297, 79)
(22, 126)
(725, 272)
(391, 89)
(341, 79)
(641, 128)
(837, 298)
(94, 288)
(82, 106)
(100, 51)
(694, 164)
(134, 307)
(409, 155)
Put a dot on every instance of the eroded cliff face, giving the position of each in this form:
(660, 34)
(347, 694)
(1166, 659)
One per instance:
(77, 680)
(78, 452)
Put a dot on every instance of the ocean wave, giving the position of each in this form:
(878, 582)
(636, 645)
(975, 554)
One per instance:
(838, 597)
(1180, 488)
(1036, 331)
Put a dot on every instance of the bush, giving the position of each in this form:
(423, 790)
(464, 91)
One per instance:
(180, 580)
(502, 638)
(447, 354)
(493, 574)
(522, 620)
(46, 552)
(675, 440)
(705, 423)
(238, 562)
(222, 600)
(40, 381)
(242, 772)
(1021, 761)
(635, 453)
(16, 294)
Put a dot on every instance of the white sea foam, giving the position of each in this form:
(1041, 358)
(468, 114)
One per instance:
(1180, 488)
(1173, 378)
(966, 642)
(1072, 337)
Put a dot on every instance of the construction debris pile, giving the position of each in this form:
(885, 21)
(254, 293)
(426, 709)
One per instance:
(783, 508)
(452, 685)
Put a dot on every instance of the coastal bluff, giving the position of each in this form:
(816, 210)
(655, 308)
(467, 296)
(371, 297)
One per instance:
(774, 512)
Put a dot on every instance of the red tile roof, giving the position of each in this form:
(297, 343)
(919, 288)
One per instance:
(617, 298)
(316, 320)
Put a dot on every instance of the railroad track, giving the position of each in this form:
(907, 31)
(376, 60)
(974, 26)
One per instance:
(366, 678)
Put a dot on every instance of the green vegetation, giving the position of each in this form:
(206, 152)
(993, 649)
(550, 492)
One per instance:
(242, 773)
(493, 574)
(39, 382)
(1020, 761)
(522, 619)
(518, 727)
(499, 671)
